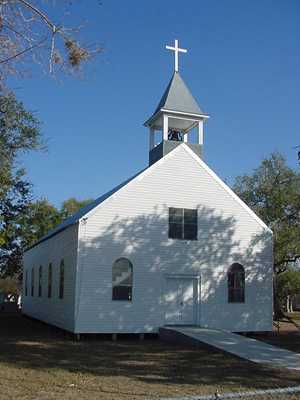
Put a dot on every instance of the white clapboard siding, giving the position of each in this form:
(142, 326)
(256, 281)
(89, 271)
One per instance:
(56, 311)
(133, 223)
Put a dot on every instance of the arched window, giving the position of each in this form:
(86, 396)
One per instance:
(61, 279)
(122, 280)
(236, 284)
(40, 280)
(32, 281)
(50, 280)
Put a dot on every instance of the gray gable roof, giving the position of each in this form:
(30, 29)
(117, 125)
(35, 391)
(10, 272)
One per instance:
(177, 97)
(83, 211)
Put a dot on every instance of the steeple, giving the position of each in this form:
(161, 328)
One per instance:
(176, 115)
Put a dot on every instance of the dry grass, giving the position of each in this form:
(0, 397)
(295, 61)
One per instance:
(295, 316)
(289, 334)
(40, 362)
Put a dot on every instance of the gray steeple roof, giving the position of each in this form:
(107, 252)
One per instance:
(177, 97)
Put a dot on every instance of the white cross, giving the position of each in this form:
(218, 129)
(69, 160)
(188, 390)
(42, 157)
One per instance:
(176, 50)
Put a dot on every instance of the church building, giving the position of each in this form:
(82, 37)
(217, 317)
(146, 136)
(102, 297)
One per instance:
(172, 245)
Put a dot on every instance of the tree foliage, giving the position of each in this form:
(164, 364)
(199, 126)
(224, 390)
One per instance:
(10, 286)
(13, 206)
(19, 133)
(39, 219)
(288, 286)
(273, 193)
(71, 206)
(29, 35)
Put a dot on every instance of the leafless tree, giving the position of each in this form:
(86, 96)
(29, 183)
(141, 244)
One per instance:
(28, 35)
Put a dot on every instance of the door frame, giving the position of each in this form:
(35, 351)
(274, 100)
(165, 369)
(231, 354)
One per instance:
(197, 303)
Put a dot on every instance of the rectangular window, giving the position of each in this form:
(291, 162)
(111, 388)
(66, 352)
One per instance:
(236, 288)
(183, 223)
(50, 280)
(61, 279)
(122, 293)
(236, 295)
(40, 280)
(32, 282)
(26, 283)
(175, 223)
(190, 224)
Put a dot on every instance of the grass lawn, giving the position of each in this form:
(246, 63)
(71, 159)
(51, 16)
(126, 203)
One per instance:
(40, 362)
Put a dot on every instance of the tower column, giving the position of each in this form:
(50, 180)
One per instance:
(165, 127)
(151, 138)
(200, 132)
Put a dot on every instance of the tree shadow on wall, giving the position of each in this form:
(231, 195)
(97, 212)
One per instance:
(144, 241)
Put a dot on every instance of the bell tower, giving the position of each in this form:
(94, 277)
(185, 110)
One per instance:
(175, 117)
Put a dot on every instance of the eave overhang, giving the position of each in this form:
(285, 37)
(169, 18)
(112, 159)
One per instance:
(173, 114)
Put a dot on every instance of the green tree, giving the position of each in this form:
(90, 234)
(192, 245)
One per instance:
(19, 133)
(39, 219)
(72, 205)
(288, 286)
(10, 287)
(273, 193)
(13, 204)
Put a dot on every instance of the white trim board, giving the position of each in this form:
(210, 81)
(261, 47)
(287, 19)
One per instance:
(166, 110)
(181, 276)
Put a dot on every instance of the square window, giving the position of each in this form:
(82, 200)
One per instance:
(183, 223)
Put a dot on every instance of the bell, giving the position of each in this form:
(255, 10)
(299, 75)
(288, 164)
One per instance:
(175, 135)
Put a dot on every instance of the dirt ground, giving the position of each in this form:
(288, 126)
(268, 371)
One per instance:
(41, 362)
(288, 336)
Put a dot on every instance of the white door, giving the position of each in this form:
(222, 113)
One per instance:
(180, 301)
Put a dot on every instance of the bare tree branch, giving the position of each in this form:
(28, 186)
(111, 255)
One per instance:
(39, 12)
(28, 35)
(23, 51)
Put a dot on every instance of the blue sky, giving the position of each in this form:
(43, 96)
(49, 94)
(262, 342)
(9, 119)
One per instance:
(242, 65)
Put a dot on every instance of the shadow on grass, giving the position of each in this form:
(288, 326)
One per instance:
(29, 344)
(287, 338)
